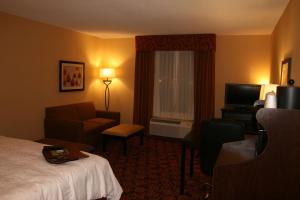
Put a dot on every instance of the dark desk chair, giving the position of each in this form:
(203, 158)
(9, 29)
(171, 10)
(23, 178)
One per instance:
(208, 140)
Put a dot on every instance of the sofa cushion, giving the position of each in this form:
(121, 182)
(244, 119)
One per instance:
(91, 128)
(86, 110)
(97, 125)
(62, 112)
(124, 130)
(100, 121)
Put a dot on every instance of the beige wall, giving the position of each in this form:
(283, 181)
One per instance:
(241, 59)
(29, 63)
(120, 54)
(286, 41)
(29, 56)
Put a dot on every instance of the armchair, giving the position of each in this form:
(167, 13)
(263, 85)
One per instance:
(208, 139)
(213, 134)
(273, 174)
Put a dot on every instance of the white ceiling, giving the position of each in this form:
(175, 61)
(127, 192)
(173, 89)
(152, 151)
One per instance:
(127, 18)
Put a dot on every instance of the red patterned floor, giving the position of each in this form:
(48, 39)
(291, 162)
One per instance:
(152, 171)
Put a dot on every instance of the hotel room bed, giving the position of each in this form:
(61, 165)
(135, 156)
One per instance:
(25, 174)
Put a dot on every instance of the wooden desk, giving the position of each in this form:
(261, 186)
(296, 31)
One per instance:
(187, 142)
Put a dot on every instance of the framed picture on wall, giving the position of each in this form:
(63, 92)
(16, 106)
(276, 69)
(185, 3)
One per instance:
(285, 76)
(71, 76)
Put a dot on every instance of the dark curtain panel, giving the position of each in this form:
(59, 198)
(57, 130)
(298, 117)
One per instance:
(204, 46)
(204, 85)
(143, 87)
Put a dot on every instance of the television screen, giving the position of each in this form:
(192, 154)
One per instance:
(241, 95)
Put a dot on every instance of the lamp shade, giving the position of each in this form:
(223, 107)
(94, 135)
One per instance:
(266, 88)
(107, 73)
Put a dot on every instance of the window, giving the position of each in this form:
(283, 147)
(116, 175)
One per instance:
(174, 85)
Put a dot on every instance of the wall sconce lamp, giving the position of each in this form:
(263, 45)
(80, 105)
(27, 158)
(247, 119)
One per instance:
(107, 74)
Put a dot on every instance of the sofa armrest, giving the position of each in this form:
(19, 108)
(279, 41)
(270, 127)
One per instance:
(109, 114)
(70, 130)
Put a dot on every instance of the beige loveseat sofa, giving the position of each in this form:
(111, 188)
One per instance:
(78, 122)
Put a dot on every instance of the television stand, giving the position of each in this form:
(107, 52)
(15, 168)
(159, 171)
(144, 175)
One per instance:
(243, 114)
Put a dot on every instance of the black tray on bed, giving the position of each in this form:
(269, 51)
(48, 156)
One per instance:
(60, 154)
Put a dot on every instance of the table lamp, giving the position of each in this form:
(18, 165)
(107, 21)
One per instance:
(266, 88)
(268, 95)
(107, 74)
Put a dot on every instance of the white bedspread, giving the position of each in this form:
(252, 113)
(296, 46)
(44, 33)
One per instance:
(26, 175)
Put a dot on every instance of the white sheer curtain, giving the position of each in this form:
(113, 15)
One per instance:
(174, 85)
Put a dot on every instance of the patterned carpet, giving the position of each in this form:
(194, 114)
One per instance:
(152, 171)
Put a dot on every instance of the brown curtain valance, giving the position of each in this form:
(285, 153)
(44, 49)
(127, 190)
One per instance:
(194, 42)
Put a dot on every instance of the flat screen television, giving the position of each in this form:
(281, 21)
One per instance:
(241, 95)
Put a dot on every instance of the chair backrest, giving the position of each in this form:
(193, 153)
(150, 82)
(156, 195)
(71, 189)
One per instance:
(213, 134)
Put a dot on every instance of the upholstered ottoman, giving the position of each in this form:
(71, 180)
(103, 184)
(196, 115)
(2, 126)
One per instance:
(124, 132)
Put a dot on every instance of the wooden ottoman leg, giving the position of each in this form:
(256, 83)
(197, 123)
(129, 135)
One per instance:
(142, 137)
(125, 146)
(103, 143)
(192, 151)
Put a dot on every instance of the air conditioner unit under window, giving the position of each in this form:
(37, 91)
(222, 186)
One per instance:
(170, 128)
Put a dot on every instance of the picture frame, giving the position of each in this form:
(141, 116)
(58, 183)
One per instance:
(71, 76)
(285, 75)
